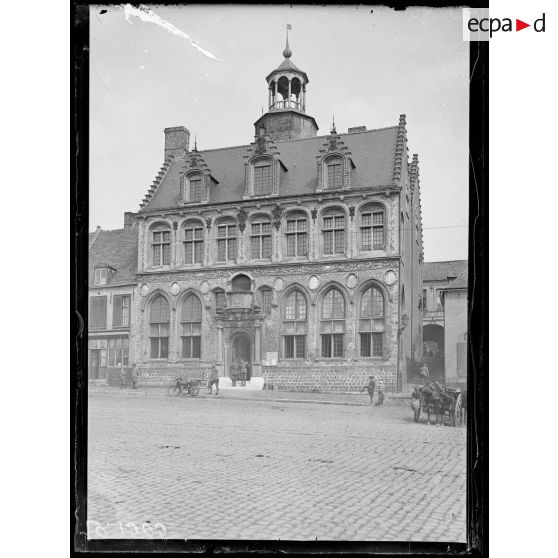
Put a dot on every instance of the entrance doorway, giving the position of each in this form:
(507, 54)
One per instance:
(241, 348)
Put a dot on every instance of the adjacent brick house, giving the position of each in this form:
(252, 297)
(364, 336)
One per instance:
(445, 321)
(112, 290)
(299, 253)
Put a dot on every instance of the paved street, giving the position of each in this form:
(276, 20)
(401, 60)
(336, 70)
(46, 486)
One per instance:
(242, 469)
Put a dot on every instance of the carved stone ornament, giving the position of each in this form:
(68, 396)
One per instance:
(241, 217)
(332, 144)
(352, 211)
(144, 289)
(175, 289)
(194, 160)
(390, 277)
(314, 214)
(260, 147)
(351, 281)
(277, 212)
(313, 282)
(204, 287)
(279, 284)
(175, 225)
(208, 222)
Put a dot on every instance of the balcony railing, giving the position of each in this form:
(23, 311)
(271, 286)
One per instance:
(286, 104)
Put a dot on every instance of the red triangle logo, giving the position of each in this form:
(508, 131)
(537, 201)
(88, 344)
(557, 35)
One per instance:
(519, 25)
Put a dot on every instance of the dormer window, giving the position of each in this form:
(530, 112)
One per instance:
(193, 188)
(101, 275)
(334, 168)
(262, 178)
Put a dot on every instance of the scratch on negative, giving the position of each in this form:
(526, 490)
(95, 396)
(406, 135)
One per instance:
(148, 16)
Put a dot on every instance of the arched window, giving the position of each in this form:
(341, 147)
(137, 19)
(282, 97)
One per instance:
(294, 325)
(297, 235)
(332, 324)
(372, 228)
(193, 188)
(263, 178)
(260, 238)
(333, 231)
(159, 318)
(160, 244)
(334, 172)
(219, 295)
(190, 327)
(193, 242)
(265, 298)
(241, 283)
(372, 323)
(226, 242)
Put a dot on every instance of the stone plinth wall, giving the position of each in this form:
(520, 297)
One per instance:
(157, 375)
(343, 378)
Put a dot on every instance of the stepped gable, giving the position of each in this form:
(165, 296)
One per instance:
(158, 179)
(117, 249)
(400, 150)
(440, 271)
(371, 151)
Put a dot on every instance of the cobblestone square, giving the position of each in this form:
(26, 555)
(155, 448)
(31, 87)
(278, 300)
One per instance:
(212, 467)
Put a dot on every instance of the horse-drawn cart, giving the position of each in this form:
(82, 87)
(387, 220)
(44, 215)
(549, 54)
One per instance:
(438, 400)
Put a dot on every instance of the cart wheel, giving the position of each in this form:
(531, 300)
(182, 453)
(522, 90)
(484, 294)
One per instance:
(173, 391)
(417, 415)
(194, 391)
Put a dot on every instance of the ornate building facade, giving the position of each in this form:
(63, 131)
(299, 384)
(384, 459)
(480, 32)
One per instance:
(299, 253)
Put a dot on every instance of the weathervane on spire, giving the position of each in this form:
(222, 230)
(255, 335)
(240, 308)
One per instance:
(287, 53)
(333, 129)
(195, 142)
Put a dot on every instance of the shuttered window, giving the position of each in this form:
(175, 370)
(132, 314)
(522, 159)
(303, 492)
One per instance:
(98, 312)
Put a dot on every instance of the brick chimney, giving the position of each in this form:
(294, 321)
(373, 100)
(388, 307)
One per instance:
(129, 220)
(177, 140)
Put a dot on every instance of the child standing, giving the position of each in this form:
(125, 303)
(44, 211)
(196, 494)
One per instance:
(370, 387)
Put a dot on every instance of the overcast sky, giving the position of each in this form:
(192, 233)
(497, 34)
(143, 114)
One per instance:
(366, 67)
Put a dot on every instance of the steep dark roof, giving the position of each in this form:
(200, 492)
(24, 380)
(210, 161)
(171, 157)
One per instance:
(117, 249)
(460, 283)
(372, 152)
(440, 271)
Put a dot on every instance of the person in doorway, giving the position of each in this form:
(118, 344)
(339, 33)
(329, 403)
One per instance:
(134, 376)
(380, 386)
(213, 380)
(243, 372)
(235, 371)
(370, 387)
(123, 381)
(424, 373)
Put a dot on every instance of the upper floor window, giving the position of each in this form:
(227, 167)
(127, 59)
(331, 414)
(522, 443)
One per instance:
(226, 242)
(371, 323)
(265, 299)
(294, 325)
(101, 275)
(98, 312)
(262, 179)
(332, 324)
(159, 318)
(372, 231)
(190, 327)
(121, 311)
(193, 188)
(160, 245)
(297, 235)
(193, 242)
(260, 239)
(333, 231)
(334, 168)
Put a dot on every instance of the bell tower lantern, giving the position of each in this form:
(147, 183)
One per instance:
(286, 118)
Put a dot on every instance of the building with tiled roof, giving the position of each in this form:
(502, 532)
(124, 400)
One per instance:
(444, 302)
(113, 261)
(296, 252)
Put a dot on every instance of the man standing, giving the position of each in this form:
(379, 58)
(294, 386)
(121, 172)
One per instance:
(123, 377)
(235, 370)
(370, 387)
(424, 373)
(243, 372)
(213, 378)
(134, 375)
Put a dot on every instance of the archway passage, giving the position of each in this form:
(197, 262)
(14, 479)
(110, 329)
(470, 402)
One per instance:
(242, 349)
(433, 351)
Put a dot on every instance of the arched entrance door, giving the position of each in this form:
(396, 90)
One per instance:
(433, 351)
(241, 348)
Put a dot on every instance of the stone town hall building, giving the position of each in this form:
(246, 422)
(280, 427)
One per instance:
(300, 253)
